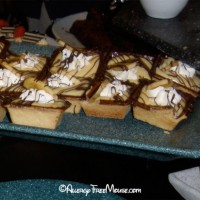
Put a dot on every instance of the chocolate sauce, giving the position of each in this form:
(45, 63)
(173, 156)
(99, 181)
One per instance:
(120, 60)
(186, 109)
(186, 82)
(4, 50)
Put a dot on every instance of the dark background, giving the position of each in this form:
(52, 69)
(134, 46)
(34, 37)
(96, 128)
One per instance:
(22, 159)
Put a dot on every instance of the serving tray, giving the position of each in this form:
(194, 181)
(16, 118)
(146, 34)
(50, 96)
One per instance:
(128, 136)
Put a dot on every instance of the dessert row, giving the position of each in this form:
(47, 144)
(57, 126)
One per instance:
(36, 90)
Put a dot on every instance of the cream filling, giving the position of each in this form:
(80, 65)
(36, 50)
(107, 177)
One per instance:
(29, 61)
(7, 78)
(164, 96)
(125, 75)
(183, 70)
(74, 60)
(39, 96)
(58, 80)
(114, 88)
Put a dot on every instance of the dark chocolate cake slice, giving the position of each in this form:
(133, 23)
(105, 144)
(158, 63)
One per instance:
(97, 31)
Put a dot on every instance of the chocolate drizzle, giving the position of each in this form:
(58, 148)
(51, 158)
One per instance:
(58, 65)
(118, 62)
(184, 107)
(5, 45)
(190, 83)
(90, 82)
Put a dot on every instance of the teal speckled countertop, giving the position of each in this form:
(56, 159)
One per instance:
(42, 189)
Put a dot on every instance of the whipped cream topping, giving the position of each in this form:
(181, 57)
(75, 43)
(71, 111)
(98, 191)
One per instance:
(116, 87)
(58, 80)
(126, 74)
(39, 96)
(74, 60)
(164, 96)
(7, 78)
(29, 61)
(183, 69)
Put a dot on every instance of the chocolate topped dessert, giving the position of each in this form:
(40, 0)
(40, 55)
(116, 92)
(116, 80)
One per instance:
(186, 77)
(161, 104)
(97, 31)
(37, 106)
(111, 97)
(105, 82)
(71, 73)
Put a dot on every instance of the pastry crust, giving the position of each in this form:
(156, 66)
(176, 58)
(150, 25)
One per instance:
(161, 105)
(162, 118)
(105, 111)
(111, 97)
(35, 116)
(37, 106)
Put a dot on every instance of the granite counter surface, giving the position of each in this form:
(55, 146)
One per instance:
(178, 37)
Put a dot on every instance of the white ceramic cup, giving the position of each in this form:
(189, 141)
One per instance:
(163, 9)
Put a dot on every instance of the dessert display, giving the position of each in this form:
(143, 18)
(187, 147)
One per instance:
(185, 77)
(113, 92)
(111, 97)
(37, 90)
(71, 73)
(27, 100)
(37, 106)
(162, 105)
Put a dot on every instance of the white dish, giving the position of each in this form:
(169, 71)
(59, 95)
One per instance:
(163, 9)
(187, 183)
(61, 29)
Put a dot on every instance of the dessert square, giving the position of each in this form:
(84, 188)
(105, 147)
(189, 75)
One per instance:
(162, 105)
(37, 106)
(111, 97)
(183, 75)
(71, 73)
